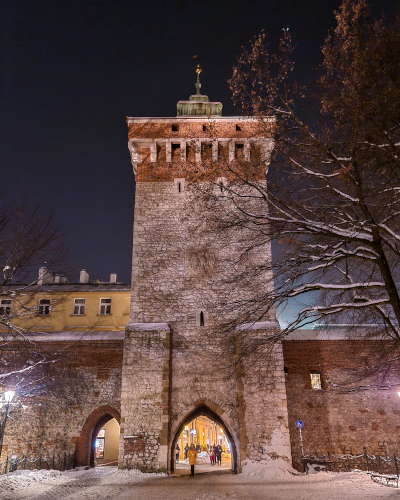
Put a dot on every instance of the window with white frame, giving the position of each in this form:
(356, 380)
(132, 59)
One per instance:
(44, 307)
(105, 306)
(79, 307)
(5, 307)
(315, 380)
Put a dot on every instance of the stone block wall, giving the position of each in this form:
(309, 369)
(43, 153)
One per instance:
(63, 400)
(349, 414)
(145, 397)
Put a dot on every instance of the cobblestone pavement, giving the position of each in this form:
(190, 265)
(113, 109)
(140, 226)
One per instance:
(109, 484)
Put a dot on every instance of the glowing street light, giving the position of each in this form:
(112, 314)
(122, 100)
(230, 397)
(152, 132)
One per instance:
(8, 396)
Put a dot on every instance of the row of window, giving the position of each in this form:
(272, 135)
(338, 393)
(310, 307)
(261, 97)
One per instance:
(45, 306)
(175, 128)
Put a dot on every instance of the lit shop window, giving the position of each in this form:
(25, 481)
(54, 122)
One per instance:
(44, 307)
(5, 307)
(315, 380)
(99, 445)
(105, 306)
(79, 306)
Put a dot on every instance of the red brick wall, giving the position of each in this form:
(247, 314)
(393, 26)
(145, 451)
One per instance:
(343, 417)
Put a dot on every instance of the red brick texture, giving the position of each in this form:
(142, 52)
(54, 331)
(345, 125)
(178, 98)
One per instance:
(345, 416)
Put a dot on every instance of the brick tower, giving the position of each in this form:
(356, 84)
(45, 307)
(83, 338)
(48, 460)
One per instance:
(171, 369)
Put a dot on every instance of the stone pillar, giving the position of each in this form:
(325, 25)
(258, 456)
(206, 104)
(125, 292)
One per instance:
(153, 151)
(246, 150)
(198, 151)
(168, 151)
(215, 151)
(183, 150)
(231, 150)
(145, 397)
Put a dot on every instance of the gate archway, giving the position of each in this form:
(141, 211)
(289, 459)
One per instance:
(204, 410)
(84, 450)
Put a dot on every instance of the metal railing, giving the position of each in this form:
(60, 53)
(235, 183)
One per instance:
(381, 468)
(55, 462)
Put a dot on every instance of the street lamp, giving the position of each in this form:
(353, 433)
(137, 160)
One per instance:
(8, 396)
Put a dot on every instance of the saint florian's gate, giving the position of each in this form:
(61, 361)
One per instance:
(174, 367)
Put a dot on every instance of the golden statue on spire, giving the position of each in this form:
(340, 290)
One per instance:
(198, 84)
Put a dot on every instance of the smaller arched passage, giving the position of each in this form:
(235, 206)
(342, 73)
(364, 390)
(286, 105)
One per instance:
(204, 410)
(85, 443)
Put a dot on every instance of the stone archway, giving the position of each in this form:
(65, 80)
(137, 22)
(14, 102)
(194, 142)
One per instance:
(84, 450)
(212, 411)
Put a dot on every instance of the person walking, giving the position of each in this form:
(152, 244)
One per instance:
(186, 449)
(177, 452)
(218, 453)
(212, 456)
(192, 455)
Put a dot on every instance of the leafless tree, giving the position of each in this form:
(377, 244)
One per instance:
(331, 199)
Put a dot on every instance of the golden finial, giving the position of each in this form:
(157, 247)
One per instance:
(198, 70)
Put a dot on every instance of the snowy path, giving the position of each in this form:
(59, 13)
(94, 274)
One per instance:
(256, 483)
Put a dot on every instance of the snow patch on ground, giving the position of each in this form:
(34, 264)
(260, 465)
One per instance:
(24, 478)
(269, 469)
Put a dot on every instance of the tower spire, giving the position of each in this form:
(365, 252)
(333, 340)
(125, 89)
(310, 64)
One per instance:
(198, 84)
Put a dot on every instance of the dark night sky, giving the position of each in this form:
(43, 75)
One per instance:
(72, 70)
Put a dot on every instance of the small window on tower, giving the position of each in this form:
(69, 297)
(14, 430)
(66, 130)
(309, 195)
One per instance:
(315, 380)
(201, 318)
(238, 129)
(175, 128)
(239, 146)
(204, 128)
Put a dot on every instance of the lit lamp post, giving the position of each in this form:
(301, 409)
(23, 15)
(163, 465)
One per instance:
(8, 396)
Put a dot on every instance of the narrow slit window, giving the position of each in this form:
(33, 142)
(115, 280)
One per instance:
(221, 186)
(316, 380)
(201, 318)
(44, 307)
(204, 128)
(179, 187)
(175, 128)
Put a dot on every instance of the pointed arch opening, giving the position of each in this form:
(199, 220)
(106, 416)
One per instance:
(221, 434)
(86, 443)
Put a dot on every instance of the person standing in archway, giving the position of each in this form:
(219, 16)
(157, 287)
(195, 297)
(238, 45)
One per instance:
(192, 455)
(218, 454)
(177, 453)
(186, 449)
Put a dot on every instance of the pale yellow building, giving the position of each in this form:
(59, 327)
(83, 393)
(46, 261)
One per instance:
(53, 304)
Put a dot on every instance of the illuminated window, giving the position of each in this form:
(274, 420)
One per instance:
(79, 306)
(5, 307)
(315, 380)
(44, 307)
(105, 306)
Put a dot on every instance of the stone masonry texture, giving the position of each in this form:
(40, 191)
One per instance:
(172, 363)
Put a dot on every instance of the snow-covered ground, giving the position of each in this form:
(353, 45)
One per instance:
(273, 481)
